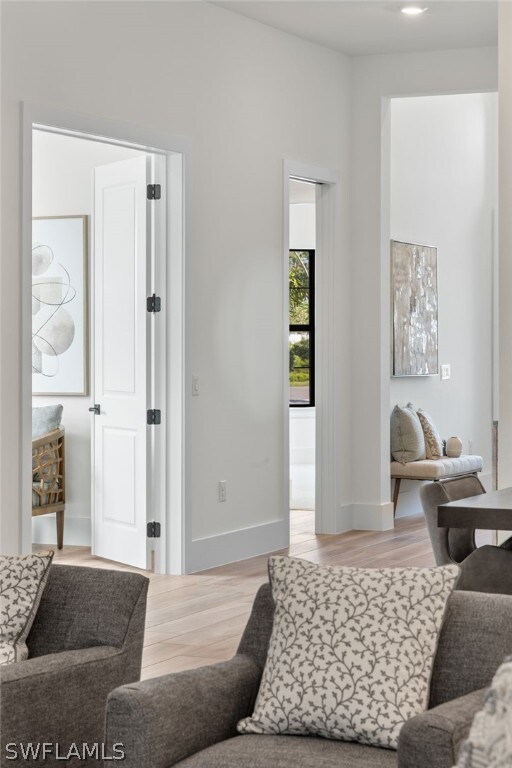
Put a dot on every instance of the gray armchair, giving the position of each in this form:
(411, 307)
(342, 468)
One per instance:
(189, 719)
(85, 641)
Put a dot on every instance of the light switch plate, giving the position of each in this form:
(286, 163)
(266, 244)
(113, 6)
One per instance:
(445, 372)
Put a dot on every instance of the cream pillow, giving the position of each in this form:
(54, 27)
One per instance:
(407, 439)
(433, 442)
(23, 580)
(351, 650)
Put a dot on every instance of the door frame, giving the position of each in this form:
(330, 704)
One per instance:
(326, 438)
(171, 478)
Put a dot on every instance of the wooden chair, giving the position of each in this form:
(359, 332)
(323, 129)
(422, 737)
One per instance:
(49, 478)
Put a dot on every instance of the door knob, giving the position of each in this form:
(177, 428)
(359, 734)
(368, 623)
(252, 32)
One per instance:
(95, 409)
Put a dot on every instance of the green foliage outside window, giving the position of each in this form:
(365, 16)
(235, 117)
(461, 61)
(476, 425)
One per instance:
(299, 361)
(299, 287)
(301, 344)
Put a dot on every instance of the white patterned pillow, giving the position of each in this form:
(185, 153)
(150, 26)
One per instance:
(351, 651)
(433, 442)
(489, 744)
(23, 580)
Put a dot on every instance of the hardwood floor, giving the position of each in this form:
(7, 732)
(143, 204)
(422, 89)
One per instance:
(198, 619)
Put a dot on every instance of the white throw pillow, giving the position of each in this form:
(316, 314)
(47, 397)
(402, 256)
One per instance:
(351, 651)
(23, 580)
(407, 440)
(433, 442)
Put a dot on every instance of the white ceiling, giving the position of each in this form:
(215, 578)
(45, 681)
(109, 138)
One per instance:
(360, 27)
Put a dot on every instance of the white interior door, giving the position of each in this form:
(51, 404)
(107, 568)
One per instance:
(121, 369)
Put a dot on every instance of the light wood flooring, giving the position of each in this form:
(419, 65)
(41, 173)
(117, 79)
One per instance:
(198, 619)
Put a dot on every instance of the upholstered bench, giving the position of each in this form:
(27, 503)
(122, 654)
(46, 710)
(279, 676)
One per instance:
(433, 469)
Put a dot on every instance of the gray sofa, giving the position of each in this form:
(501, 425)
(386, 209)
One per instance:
(189, 719)
(85, 641)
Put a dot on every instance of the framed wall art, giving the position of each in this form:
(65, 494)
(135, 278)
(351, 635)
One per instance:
(415, 309)
(59, 305)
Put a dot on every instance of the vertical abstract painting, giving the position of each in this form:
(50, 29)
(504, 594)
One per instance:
(59, 305)
(414, 296)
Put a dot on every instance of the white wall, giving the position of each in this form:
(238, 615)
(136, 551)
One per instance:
(505, 246)
(234, 88)
(302, 225)
(61, 186)
(375, 80)
(444, 193)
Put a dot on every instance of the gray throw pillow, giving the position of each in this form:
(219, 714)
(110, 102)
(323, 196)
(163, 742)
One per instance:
(351, 650)
(407, 439)
(45, 419)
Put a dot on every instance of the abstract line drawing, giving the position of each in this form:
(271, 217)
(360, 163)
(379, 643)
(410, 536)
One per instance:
(415, 308)
(58, 305)
(53, 329)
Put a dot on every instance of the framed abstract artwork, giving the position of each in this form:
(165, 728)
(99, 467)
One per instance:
(415, 309)
(59, 305)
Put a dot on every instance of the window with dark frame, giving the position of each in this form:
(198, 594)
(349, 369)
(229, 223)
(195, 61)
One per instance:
(302, 328)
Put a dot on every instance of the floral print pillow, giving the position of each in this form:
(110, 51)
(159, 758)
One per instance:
(22, 581)
(351, 651)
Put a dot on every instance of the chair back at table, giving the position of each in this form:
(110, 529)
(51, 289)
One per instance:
(450, 545)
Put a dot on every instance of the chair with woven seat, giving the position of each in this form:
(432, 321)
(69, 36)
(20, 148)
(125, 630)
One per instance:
(49, 478)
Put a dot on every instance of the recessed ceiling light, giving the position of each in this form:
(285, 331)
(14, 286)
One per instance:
(412, 10)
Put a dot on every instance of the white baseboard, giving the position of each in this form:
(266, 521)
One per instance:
(344, 519)
(364, 517)
(213, 551)
(302, 503)
(77, 530)
(373, 517)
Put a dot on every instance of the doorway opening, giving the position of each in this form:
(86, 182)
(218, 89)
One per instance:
(311, 456)
(441, 190)
(302, 263)
(83, 334)
(99, 321)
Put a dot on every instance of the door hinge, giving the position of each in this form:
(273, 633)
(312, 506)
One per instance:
(154, 416)
(153, 529)
(154, 191)
(154, 303)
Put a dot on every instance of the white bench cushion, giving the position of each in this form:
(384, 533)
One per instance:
(429, 469)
